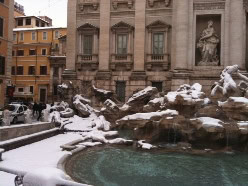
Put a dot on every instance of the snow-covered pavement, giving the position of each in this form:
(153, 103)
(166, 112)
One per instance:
(45, 153)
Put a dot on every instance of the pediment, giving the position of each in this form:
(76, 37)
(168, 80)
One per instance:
(122, 25)
(88, 26)
(158, 24)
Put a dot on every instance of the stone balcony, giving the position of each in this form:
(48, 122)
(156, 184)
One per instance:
(87, 61)
(121, 61)
(157, 60)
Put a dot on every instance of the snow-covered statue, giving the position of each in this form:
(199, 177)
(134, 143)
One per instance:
(207, 45)
(227, 85)
(6, 116)
(28, 116)
(46, 115)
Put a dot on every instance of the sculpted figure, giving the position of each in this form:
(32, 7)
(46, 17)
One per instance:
(207, 44)
(226, 84)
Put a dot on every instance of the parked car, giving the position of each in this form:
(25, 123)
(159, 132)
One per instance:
(17, 114)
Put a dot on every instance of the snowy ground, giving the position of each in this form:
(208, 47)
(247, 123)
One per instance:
(45, 153)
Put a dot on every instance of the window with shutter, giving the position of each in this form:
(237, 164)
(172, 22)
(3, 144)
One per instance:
(2, 65)
(158, 43)
(122, 44)
(88, 39)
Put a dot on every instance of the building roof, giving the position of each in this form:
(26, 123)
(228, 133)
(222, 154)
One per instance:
(30, 17)
(37, 28)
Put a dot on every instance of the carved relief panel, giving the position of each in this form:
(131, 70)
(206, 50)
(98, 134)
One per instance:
(88, 5)
(123, 4)
(158, 3)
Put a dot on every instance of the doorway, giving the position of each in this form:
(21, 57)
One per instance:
(43, 94)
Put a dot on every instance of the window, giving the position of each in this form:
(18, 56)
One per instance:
(1, 27)
(55, 90)
(122, 44)
(43, 52)
(55, 72)
(33, 36)
(44, 35)
(20, 70)
(13, 71)
(20, 52)
(20, 90)
(42, 24)
(32, 52)
(20, 22)
(37, 23)
(88, 39)
(31, 89)
(1, 1)
(2, 65)
(56, 34)
(14, 37)
(43, 70)
(158, 85)
(21, 36)
(28, 21)
(13, 53)
(158, 43)
(31, 70)
(121, 90)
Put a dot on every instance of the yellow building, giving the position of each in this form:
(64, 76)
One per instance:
(30, 62)
(6, 30)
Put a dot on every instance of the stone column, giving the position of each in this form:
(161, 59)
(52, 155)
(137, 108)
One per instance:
(80, 44)
(139, 44)
(129, 42)
(166, 42)
(113, 42)
(71, 35)
(181, 27)
(60, 75)
(236, 33)
(104, 35)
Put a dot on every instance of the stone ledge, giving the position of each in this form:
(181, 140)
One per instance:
(138, 76)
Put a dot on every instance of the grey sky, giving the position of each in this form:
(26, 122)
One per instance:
(55, 9)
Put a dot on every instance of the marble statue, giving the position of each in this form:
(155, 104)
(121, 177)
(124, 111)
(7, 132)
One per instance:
(6, 117)
(28, 116)
(228, 86)
(207, 45)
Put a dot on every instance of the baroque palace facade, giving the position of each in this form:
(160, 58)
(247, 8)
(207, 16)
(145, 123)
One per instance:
(125, 45)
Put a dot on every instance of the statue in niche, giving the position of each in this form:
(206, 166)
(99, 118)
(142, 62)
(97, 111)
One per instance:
(207, 45)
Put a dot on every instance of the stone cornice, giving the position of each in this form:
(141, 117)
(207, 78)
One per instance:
(209, 4)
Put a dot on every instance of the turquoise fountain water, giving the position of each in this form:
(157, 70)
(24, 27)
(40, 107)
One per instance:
(113, 166)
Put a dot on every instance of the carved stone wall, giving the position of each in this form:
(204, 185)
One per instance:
(122, 4)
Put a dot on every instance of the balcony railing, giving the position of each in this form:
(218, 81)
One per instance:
(87, 58)
(157, 57)
(121, 58)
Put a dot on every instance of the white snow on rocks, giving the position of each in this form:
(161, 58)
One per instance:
(144, 145)
(140, 93)
(147, 116)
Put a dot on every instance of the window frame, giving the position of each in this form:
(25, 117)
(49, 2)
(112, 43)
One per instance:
(42, 51)
(2, 65)
(17, 53)
(159, 52)
(17, 70)
(32, 88)
(56, 34)
(31, 73)
(32, 50)
(2, 28)
(33, 39)
(41, 71)
(21, 36)
(122, 43)
(43, 36)
(90, 51)
(26, 21)
(20, 19)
